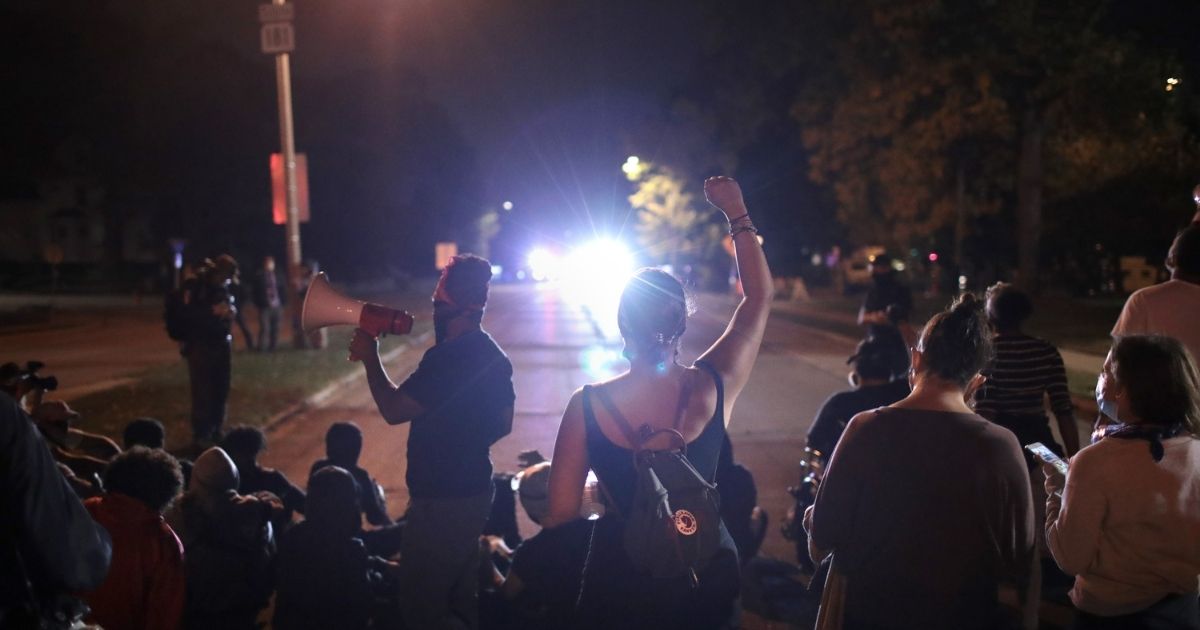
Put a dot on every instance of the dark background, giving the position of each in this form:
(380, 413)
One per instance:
(419, 116)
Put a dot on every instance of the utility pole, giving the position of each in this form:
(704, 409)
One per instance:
(278, 38)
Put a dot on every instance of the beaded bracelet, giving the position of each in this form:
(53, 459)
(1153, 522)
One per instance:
(745, 227)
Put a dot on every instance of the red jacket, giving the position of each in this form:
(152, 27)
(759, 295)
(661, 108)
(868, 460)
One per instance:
(145, 586)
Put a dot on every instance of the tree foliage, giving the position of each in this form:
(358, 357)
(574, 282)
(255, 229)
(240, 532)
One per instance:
(934, 108)
(670, 225)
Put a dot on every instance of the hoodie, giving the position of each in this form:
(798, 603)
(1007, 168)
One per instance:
(229, 544)
(145, 584)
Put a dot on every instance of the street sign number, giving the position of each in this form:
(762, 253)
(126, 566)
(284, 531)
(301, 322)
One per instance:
(276, 13)
(278, 37)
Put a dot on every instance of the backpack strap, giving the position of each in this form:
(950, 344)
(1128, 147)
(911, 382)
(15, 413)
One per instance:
(622, 423)
(638, 437)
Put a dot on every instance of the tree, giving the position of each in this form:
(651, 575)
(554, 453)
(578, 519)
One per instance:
(934, 111)
(669, 225)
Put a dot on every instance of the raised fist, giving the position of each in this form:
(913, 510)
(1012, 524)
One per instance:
(724, 193)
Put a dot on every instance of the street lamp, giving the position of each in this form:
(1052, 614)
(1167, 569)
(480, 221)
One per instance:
(631, 166)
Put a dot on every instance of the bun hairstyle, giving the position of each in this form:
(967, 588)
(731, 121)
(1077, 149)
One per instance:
(652, 315)
(957, 343)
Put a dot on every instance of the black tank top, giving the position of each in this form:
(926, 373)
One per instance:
(614, 464)
(613, 594)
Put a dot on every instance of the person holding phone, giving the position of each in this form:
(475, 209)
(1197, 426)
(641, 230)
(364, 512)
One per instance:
(1128, 523)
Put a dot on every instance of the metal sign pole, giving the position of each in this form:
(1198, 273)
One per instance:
(283, 79)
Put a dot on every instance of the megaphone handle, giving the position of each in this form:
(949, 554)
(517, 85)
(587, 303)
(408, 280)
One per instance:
(402, 323)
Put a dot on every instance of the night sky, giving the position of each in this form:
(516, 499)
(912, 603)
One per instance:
(406, 107)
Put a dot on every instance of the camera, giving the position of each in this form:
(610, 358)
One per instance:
(15, 380)
(33, 381)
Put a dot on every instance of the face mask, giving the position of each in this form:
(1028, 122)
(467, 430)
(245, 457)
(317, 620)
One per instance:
(443, 313)
(1107, 406)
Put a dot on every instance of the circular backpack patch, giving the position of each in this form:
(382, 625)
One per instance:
(685, 522)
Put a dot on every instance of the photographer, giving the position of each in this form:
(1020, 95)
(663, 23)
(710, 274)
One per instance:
(25, 386)
(208, 312)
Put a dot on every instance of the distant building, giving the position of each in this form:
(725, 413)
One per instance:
(69, 217)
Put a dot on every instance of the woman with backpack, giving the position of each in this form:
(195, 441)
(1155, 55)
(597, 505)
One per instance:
(926, 506)
(656, 561)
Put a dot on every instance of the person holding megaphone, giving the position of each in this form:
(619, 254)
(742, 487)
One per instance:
(459, 401)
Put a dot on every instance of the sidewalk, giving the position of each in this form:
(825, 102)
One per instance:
(826, 315)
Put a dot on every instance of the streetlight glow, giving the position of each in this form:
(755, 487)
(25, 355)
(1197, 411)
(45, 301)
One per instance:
(507, 205)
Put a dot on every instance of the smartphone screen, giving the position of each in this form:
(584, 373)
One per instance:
(1048, 456)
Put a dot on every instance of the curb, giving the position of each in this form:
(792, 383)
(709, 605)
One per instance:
(318, 398)
(1082, 404)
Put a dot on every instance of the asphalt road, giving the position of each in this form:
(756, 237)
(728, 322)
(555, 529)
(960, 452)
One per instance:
(557, 345)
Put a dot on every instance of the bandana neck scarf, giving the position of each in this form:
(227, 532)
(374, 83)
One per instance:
(1153, 433)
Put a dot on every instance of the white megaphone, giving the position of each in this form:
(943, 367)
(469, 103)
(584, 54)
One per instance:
(324, 306)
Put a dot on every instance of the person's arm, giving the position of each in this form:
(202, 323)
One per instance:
(1073, 522)
(374, 507)
(1060, 403)
(734, 352)
(570, 467)
(59, 542)
(833, 511)
(292, 496)
(1015, 524)
(826, 428)
(396, 406)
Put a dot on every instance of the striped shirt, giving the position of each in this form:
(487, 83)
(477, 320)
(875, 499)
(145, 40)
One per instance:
(1024, 370)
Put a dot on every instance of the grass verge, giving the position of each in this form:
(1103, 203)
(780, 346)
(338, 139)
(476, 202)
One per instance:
(264, 384)
(1080, 324)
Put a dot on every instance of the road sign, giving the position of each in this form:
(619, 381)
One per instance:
(276, 13)
(278, 37)
(443, 252)
(279, 191)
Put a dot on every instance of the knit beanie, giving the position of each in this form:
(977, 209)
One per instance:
(214, 472)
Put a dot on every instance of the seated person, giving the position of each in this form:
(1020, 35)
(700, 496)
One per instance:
(327, 579)
(244, 444)
(87, 454)
(746, 522)
(343, 445)
(228, 543)
(543, 581)
(873, 386)
(145, 584)
(150, 433)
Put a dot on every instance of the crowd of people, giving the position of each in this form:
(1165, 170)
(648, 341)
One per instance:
(927, 505)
